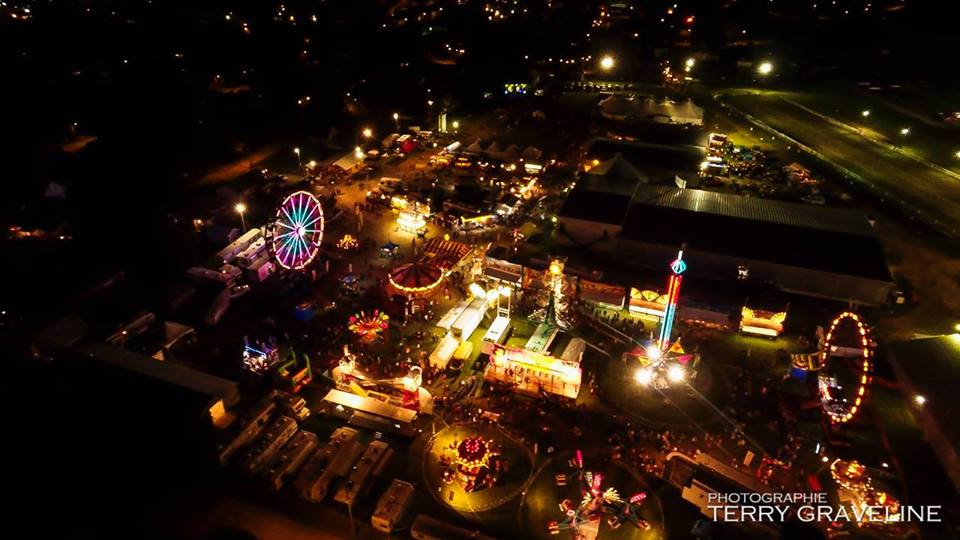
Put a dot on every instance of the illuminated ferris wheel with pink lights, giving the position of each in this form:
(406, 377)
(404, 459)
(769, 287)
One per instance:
(297, 231)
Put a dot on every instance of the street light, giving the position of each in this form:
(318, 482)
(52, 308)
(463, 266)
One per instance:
(456, 126)
(905, 131)
(689, 64)
(865, 113)
(396, 120)
(765, 68)
(367, 133)
(956, 155)
(297, 152)
(919, 400)
(241, 208)
(607, 63)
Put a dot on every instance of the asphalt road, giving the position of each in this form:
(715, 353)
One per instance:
(932, 194)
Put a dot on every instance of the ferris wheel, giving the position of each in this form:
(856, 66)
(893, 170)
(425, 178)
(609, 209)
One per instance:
(846, 363)
(297, 230)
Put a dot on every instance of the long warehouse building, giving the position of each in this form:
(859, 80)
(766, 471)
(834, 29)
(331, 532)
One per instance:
(804, 249)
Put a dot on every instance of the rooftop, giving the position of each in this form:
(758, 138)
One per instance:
(802, 236)
(204, 386)
(649, 157)
(615, 175)
(598, 206)
(752, 208)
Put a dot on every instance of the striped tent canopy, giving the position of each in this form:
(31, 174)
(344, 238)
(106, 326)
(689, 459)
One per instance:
(444, 253)
(415, 278)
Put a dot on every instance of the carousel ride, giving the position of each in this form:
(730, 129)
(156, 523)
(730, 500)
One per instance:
(846, 363)
(473, 461)
(583, 518)
(417, 279)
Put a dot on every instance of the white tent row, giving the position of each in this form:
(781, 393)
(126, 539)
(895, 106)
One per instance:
(511, 152)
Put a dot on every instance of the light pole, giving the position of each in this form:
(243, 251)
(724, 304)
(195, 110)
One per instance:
(297, 152)
(241, 208)
(607, 63)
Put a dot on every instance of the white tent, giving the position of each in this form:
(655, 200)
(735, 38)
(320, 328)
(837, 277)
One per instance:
(475, 147)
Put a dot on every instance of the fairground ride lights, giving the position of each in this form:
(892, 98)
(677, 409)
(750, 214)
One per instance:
(866, 354)
(415, 289)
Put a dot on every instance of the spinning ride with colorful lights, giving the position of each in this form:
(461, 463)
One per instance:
(583, 518)
(846, 363)
(369, 327)
(474, 461)
(295, 234)
(348, 242)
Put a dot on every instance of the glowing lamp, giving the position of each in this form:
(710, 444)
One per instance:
(477, 290)
(676, 373)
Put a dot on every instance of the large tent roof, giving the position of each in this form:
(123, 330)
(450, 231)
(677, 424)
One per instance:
(417, 275)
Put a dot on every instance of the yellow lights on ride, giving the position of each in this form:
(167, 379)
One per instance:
(477, 291)
(866, 354)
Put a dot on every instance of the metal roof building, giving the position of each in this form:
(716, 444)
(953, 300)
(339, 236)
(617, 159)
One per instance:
(804, 249)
